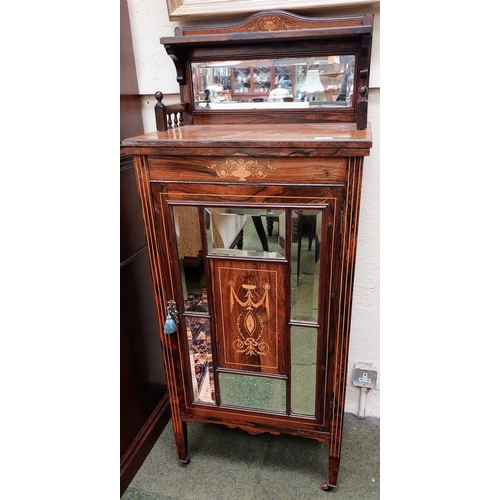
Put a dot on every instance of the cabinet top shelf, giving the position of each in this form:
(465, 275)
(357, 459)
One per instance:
(311, 135)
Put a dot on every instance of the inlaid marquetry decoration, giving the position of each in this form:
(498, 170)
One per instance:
(250, 306)
(241, 168)
(272, 23)
(249, 322)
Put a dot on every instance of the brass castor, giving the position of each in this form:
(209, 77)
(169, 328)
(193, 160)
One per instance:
(327, 487)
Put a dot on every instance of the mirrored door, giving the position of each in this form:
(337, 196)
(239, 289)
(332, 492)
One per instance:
(251, 281)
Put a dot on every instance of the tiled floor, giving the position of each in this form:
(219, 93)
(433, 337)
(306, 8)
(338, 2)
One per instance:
(229, 464)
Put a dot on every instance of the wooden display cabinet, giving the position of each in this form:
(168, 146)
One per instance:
(251, 216)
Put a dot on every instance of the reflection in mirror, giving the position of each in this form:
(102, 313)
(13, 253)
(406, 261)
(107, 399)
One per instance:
(274, 83)
(189, 250)
(240, 232)
(303, 347)
(250, 391)
(306, 242)
(200, 356)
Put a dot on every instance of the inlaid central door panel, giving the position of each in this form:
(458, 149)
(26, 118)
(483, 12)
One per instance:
(250, 314)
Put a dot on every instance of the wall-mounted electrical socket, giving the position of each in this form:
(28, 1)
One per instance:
(365, 375)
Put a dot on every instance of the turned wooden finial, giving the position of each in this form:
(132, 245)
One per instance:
(160, 113)
(362, 108)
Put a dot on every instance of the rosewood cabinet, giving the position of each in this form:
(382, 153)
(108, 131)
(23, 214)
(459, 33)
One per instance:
(251, 221)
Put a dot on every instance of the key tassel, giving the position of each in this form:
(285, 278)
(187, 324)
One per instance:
(172, 320)
(170, 326)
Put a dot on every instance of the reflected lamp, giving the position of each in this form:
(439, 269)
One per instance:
(312, 83)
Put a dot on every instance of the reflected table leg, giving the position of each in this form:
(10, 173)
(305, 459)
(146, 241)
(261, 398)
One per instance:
(259, 227)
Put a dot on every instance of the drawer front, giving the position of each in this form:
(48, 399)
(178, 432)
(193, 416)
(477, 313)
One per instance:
(293, 170)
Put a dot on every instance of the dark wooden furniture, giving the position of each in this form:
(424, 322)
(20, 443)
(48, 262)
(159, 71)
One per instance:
(144, 406)
(257, 339)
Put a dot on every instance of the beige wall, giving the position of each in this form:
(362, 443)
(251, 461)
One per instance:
(155, 71)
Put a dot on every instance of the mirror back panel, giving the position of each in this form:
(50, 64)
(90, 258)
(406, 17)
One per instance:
(275, 67)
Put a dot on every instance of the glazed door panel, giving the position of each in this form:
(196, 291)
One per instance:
(253, 283)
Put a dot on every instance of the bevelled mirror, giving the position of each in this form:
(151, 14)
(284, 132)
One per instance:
(282, 83)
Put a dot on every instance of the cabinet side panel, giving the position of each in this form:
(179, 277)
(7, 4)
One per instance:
(163, 292)
(343, 318)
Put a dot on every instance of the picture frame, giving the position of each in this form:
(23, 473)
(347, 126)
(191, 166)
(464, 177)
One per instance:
(199, 9)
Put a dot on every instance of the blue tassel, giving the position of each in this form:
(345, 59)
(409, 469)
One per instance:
(169, 327)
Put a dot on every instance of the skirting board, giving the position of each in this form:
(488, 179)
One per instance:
(137, 452)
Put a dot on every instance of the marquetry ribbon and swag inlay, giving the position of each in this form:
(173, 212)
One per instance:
(251, 321)
(272, 23)
(241, 168)
(250, 309)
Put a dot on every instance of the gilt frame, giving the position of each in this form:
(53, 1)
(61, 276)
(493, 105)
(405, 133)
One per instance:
(198, 9)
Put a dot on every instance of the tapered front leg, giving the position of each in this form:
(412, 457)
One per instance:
(333, 472)
(181, 442)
